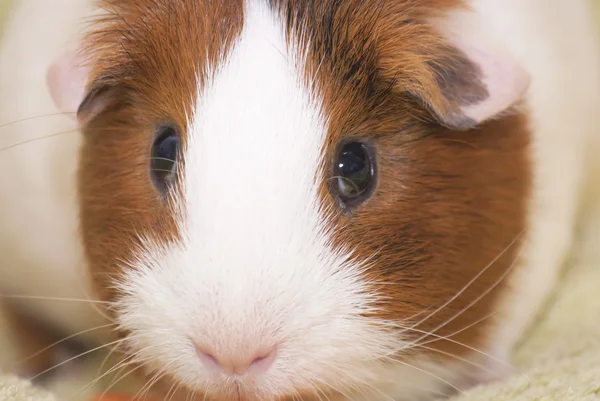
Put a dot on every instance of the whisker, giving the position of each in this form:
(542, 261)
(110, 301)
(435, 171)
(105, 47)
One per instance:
(151, 382)
(35, 118)
(15, 145)
(334, 388)
(95, 305)
(205, 396)
(58, 299)
(504, 363)
(458, 358)
(313, 388)
(430, 374)
(320, 392)
(190, 395)
(114, 383)
(106, 358)
(355, 379)
(163, 158)
(481, 296)
(459, 293)
(75, 357)
(324, 394)
(437, 337)
(144, 390)
(130, 360)
(177, 385)
(411, 317)
(447, 337)
(171, 389)
(63, 340)
(366, 389)
(122, 365)
(296, 395)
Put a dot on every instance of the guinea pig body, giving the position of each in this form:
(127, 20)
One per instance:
(43, 269)
(349, 200)
(561, 180)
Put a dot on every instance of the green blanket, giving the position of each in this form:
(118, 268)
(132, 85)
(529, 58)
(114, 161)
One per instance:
(559, 360)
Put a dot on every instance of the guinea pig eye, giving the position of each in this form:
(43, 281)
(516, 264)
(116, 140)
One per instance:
(355, 173)
(163, 158)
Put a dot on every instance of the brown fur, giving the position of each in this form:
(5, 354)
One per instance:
(144, 74)
(447, 202)
(40, 348)
(32, 339)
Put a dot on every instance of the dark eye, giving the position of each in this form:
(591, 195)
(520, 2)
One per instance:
(355, 173)
(163, 158)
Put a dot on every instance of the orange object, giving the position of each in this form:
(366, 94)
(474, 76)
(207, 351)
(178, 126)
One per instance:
(116, 397)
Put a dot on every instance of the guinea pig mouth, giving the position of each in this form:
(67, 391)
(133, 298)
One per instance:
(238, 391)
(254, 389)
(232, 389)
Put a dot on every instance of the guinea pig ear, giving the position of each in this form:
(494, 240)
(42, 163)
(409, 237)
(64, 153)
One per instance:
(473, 79)
(68, 80)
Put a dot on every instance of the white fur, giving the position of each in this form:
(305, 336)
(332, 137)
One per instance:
(41, 255)
(556, 42)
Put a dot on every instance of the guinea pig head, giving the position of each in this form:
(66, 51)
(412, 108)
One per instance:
(301, 198)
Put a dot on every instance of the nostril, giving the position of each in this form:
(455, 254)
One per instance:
(262, 363)
(239, 363)
(209, 361)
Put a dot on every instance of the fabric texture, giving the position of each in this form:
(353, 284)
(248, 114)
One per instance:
(559, 360)
(13, 389)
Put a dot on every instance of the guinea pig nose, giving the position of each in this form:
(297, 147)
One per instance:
(239, 362)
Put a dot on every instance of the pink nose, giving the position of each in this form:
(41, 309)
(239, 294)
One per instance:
(242, 363)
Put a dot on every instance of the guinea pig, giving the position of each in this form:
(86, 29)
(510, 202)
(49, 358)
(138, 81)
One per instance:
(348, 200)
